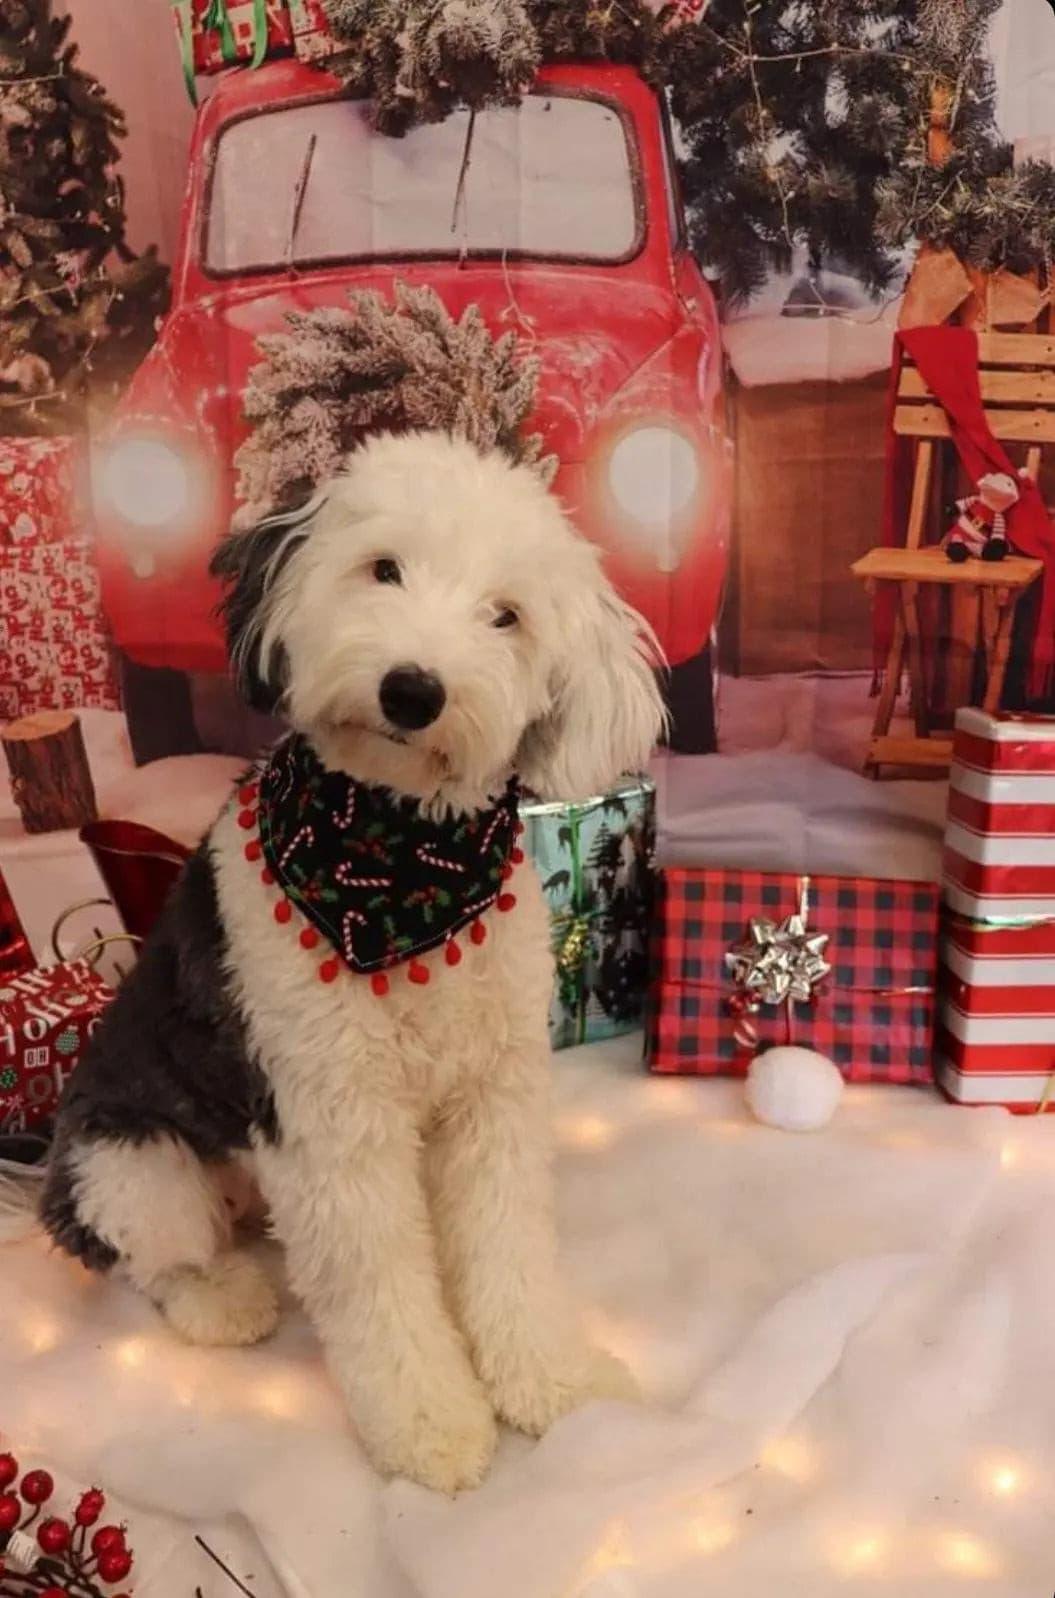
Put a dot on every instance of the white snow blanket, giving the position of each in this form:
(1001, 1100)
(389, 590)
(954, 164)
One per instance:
(844, 1342)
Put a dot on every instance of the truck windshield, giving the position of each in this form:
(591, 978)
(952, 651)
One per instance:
(555, 177)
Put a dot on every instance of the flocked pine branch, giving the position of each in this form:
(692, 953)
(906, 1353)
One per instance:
(338, 373)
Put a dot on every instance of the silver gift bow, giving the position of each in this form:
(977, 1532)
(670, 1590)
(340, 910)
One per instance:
(780, 962)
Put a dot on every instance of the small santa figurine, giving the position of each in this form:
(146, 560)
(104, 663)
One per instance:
(981, 527)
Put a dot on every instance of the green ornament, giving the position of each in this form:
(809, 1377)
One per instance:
(68, 1041)
(8, 1077)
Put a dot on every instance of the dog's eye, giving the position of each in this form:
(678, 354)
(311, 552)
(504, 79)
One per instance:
(387, 571)
(506, 618)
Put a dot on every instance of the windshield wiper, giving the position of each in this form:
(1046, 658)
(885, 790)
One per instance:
(300, 189)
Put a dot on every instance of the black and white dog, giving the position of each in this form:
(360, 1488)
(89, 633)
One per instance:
(349, 987)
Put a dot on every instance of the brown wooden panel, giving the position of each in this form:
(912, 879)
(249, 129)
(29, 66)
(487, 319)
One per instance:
(999, 386)
(809, 497)
(1016, 349)
(1019, 427)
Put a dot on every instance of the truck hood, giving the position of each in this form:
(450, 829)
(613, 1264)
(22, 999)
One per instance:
(589, 330)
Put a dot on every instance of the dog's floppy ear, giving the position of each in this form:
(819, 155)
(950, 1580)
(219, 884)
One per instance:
(607, 712)
(249, 564)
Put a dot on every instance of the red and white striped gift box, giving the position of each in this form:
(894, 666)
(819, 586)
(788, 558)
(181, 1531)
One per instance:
(999, 861)
(995, 1041)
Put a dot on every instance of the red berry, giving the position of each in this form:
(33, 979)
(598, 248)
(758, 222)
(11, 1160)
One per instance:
(10, 1511)
(379, 983)
(254, 849)
(108, 1539)
(452, 953)
(53, 1536)
(115, 1564)
(506, 901)
(283, 911)
(37, 1487)
(309, 938)
(8, 1469)
(91, 1506)
(328, 971)
(478, 932)
(418, 973)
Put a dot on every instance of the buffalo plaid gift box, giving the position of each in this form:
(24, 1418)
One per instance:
(47, 1016)
(853, 960)
(595, 861)
(996, 1024)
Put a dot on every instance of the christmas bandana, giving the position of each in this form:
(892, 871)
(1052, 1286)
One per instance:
(379, 881)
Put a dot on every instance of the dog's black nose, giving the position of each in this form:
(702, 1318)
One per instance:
(411, 698)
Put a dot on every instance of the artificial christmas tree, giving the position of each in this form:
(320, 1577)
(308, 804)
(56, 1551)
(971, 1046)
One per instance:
(77, 305)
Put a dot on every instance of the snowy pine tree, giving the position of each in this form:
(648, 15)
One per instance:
(77, 307)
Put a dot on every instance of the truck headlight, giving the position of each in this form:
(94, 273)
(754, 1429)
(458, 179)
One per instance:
(147, 482)
(654, 473)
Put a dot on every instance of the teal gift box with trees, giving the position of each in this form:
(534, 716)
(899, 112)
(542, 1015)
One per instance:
(595, 862)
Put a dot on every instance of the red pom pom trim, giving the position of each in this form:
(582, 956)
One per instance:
(328, 970)
(418, 973)
(247, 794)
(517, 857)
(452, 954)
(507, 872)
(254, 849)
(520, 829)
(283, 911)
(478, 932)
(246, 819)
(379, 983)
(267, 876)
(309, 938)
(506, 901)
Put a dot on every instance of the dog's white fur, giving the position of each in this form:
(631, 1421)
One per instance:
(411, 1183)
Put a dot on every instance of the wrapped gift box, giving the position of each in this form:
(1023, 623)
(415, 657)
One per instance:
(312, 38)
(47, 1016)
(595, 862)
(41, 490)
(999, 860)
(996, 1021)
(724, 940)
(54, 646)
(214, 34)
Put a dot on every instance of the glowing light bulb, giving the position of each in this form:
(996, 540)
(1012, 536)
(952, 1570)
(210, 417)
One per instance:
(279, 1398)
(966, 1555)
(791, 1457)
(861, 1552)
(587, 1131)
(711, 1536)
(41, 1336)
(1010, 1156)
(131, 1353)
(1004, 1479)
(612, 1553)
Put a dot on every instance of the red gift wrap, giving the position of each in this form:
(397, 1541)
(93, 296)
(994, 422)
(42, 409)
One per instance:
(312, 38)
(996, 1019)
(215, 34)
(54, 646)
(864, 949)
(41, 491)
(999, 861)
(46, 1018)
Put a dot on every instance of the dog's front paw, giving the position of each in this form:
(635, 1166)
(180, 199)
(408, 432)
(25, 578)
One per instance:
(445, 1441)
(531, 1390)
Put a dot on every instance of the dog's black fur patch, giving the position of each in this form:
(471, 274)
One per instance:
(170, 1058)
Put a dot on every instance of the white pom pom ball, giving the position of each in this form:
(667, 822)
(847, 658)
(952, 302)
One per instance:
(793, 1089)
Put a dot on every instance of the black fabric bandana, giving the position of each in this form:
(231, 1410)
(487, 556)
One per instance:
(379, 881)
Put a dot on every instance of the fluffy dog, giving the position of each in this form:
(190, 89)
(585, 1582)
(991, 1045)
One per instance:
(429, 625)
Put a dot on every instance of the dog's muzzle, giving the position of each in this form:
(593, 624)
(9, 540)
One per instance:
(411, 698)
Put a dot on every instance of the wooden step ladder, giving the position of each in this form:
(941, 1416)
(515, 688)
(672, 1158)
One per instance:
(1017, 381)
